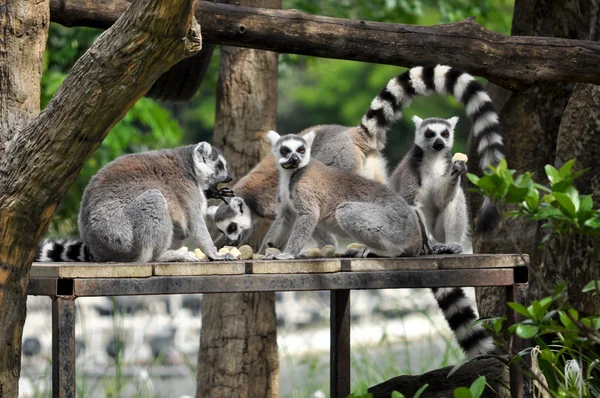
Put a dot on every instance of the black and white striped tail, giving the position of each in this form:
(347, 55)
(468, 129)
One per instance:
(387, 107)
(473, 339)
(62, 251)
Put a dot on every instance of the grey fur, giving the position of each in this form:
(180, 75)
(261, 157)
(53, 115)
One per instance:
(429, 180)
(136, 206)
(313, 194)
(357, 149)
(433, 182)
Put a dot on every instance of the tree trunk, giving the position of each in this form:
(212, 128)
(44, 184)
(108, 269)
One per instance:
(238, 348)
(40, 158)
(549, 124)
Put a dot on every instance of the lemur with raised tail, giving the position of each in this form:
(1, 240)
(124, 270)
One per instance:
(358, 149)
(430, 180)
(136, 207)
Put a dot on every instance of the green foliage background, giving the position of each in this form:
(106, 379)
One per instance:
(311, 90)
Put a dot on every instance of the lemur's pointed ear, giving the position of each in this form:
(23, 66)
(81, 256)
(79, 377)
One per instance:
(309, 138)
(273, 136)
(417, 121)
(211, 211)
(453, 121)
(202, 151)
(237, 205)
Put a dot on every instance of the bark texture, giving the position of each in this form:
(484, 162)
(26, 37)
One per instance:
(549, 124)
(238, 348)
(514, 62)
(40, 158)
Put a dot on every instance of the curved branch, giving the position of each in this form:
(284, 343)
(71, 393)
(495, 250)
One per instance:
(39, 163)
(513, 62)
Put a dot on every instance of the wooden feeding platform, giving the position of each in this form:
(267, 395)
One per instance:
(65, 282)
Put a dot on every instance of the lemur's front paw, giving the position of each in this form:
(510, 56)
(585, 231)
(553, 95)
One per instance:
(222, 257)
(285, 256)
(281, 256)
(214, 193)
(459, 167)
(361, 252)
(450, 248)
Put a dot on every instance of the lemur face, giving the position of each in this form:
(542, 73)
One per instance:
(291, 151)
(435, 134)
(232, 219)
(211, 166)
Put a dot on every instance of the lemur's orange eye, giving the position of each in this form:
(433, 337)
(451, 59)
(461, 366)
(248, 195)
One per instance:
(445, 134)
(301, 150)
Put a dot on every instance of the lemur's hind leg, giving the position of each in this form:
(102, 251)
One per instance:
(386, 231)
(451, 223)
(152, 225)
(323, 237)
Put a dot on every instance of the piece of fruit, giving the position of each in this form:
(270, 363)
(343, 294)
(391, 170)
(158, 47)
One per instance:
(459, 156)
(183, 249)
(313, 253)
(328, 251)
(246, 252)
(273, 251)
(199, 255)
(258, 256)
(224, 250)
(235, 252)
(355, 246)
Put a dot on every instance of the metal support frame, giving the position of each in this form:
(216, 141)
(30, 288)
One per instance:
(64, 291)
(339, 354)
(63, 347)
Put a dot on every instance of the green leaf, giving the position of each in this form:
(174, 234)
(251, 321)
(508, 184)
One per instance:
(527, 331)
(420, 391)
(516, 194)
(532, 198)
(573, 194)
(565, 320)
(566, 168)
(566, 203)
(586, 203)
(552, 174)
(592, 223)
(462, 392)
(473, 178)
(477, 387)
(558, 289)
(592, 286)
(520, 309)
(396, 394)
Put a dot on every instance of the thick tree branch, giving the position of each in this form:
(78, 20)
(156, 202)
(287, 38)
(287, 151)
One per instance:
(39, 162)
(512, 62)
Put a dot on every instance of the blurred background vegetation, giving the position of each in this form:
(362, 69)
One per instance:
(311, 90)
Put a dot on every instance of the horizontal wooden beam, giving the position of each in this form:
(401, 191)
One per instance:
(514, 62)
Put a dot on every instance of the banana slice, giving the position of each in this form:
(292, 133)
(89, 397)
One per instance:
(460, 156)
(313, 253)
(183, 249)
(224, 250)
(328, 251)
(246, 252)
(235, 252)
(273, 251)
(199, 255)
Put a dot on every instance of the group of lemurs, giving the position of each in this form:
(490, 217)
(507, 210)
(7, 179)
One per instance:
(328, 180)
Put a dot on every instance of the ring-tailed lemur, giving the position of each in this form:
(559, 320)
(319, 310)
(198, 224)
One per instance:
(135, 207)
(358, 148)
(429, 180)
(312, 194)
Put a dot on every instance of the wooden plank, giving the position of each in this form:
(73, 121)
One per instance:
(91, 270)
(509, 61)
(304, 266)
(460, 261)
(201, 268)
